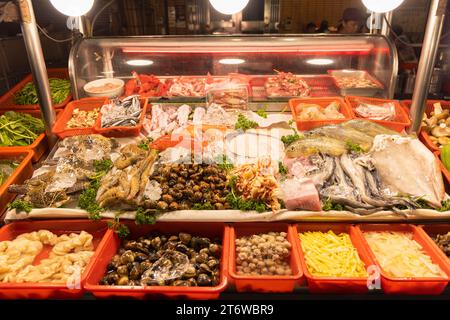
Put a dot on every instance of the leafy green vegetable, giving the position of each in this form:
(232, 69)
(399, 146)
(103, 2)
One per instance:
(19, 129)
(291, 122)
(354, 147)
(87, 200)
(102, 166)
(145, 216)
(282, 169)
(244, 124)
(236, 202)
(203, 206)
(328, 205)
(144, 144)
(262, 112)
(60, 90)
(445, 206)
(21, 205)
(287, 140)
(120, 229)
(224, 163)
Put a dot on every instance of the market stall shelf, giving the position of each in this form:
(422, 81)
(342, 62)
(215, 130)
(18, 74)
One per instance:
(46, 290)
(9, 102)
(209, 230)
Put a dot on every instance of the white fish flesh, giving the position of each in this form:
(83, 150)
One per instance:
(407, 167)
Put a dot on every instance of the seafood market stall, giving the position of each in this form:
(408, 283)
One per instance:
(186, 167)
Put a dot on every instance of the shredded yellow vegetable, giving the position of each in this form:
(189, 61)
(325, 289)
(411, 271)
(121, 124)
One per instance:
(400, 256)
(331, 255)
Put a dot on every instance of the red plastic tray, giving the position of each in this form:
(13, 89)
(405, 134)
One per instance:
(424, 136)
(432, 230)
(401, 120)
(212, 230)
(318, 284)
(39, 146)
(51, 290)
(263, 283)
(20, 174)
(7, 100)
(122, 131)
(408, 286)
(85, 104)
(304, 125)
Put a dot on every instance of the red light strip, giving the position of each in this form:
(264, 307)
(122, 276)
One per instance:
(246, 50)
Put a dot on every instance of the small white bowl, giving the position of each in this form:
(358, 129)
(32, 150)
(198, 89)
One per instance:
(108, 93)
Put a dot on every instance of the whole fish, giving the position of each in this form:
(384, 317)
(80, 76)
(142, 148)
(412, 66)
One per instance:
(367, 127)
(344, 134)
(314, 145)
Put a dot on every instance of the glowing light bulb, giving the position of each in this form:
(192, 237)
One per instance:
(229, 6)
(320, 62)
(231, 61)
(140, 62)
(381, 6)
(73, 8)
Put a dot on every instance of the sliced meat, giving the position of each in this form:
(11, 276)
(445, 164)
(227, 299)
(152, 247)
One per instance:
(300, 194)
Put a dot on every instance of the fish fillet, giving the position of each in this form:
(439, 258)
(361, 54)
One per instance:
(407, 167)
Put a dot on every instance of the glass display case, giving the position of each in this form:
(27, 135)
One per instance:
(327, 64)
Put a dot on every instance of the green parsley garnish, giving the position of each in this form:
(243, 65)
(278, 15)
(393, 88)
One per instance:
(21, 205)
(244, 124)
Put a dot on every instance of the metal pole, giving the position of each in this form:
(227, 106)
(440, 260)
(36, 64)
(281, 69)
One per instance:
(37, 65)
(427, 60)
(384, 26)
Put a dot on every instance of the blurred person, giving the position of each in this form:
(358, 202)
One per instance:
(310, 28)
(323, 27)
(406, 53)
(352, 21)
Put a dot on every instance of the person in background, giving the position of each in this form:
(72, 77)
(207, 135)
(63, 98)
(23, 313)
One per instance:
(352, 21)
(406, 53)
(310, 28)
(323, 27)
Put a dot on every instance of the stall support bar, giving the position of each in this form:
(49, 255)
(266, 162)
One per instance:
(427, 60)
(37, 65)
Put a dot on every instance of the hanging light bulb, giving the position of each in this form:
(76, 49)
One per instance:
(73, 8)
(382, 6)
(229, 6)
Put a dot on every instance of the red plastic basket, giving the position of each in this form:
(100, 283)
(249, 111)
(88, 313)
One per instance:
(424, 136)
(85, 104)
(264, 283)
(211, 230)
(432, 230)
(304, 125)
(39, 146)
(20, 174)
(7, 100)
(408, 286)
(43, 290)
(317, 284)
(401, 120)
(122, 131)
